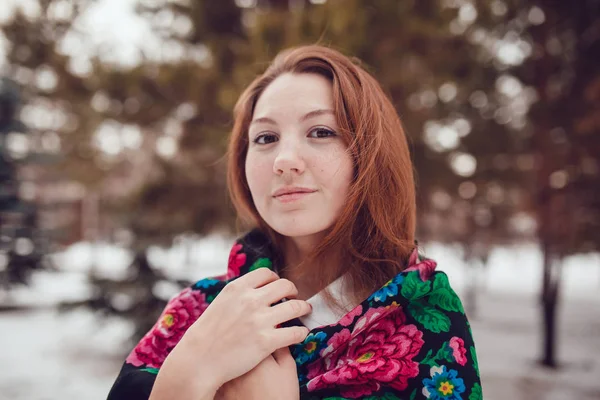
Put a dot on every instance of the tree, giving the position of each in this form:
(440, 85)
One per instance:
(166, 106)
(491, 108)
(21, 241)
(445, 87)
(564, 71)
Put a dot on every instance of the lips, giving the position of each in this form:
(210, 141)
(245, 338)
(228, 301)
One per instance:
(287, 191)
(291, 194)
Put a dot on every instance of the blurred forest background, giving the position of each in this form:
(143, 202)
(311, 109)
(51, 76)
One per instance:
(122, 146)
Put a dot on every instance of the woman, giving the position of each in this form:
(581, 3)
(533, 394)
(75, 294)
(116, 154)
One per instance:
(327, 298)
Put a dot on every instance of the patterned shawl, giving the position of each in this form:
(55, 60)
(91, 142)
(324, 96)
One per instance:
(408, 340)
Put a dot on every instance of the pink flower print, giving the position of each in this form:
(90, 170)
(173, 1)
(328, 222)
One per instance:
(414, 257)
(337, 340)
(382, 353)
(458, 350)
(179, 314)
(315, 369)
(348, 318)
(236, 261)
(370, 316)
(426, 268)
(360, 391)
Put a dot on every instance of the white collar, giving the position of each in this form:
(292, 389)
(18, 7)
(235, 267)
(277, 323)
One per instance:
(322, 314)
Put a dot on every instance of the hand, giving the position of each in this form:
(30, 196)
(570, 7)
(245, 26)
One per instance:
(235, 333)
(273, 379)
(239, 329)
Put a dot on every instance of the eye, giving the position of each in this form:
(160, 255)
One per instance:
(265, 138)
(321, 132)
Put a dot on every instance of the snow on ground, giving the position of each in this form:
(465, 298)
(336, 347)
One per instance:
(518, 270)
(188, 259)
(46, 355)
(508, 340)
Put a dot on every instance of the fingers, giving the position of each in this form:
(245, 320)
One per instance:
(257, 278)
(285, 337)
(289, 310)
(277, 290)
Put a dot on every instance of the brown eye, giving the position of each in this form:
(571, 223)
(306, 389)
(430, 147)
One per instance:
(321, 133)
(265, 138)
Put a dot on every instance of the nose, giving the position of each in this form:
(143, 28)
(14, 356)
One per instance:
(289, 160)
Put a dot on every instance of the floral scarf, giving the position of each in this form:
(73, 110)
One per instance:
(408, 340)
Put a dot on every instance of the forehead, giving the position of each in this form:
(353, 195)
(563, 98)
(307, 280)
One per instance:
(295, 93)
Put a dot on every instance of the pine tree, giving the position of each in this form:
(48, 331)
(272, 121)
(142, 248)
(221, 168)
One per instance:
(21, 241)
(485, 128)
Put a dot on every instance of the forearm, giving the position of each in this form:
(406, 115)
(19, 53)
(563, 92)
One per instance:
(181, 377)
(168, 384)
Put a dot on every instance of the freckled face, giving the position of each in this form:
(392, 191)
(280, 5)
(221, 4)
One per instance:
(297, 166)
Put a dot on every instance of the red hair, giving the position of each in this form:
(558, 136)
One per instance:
(377, 224)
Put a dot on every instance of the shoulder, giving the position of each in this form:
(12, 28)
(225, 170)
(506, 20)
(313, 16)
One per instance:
(252, 251)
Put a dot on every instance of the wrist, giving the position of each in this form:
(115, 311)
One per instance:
(202, 359)
(185, 375)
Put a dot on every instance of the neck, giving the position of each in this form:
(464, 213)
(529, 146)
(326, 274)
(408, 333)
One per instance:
(296, 251)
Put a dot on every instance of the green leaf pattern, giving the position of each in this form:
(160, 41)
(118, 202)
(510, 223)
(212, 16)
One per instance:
(474, 358)
(413, 395)
(443, 296)
(413, 287)
(261, 263)
(151, 370)
(476, 392)
(443, 354)
(431, 318)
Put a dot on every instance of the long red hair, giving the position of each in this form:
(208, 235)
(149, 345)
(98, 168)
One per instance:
(376, 227)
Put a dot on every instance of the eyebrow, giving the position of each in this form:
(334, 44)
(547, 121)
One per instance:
(308, 115)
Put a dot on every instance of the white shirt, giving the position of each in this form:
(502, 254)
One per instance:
(322, 314)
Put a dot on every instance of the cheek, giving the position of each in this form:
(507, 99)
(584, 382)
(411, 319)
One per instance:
(258, 173)
(336, 171)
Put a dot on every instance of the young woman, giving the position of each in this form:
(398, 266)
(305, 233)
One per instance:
(327, 297)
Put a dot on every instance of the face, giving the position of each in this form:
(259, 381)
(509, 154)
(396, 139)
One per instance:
(297, 166)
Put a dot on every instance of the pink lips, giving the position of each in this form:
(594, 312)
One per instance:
(289, 194)
(288, 198)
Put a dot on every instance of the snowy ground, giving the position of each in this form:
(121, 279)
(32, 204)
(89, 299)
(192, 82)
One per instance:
(507, 337)
(47, 356)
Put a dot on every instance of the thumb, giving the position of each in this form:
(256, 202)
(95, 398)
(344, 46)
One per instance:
(284, 357)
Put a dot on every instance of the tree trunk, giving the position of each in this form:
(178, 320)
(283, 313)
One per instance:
(550, 291)
(471, 289)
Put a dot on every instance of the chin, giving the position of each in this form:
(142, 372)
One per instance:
(298, 227)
